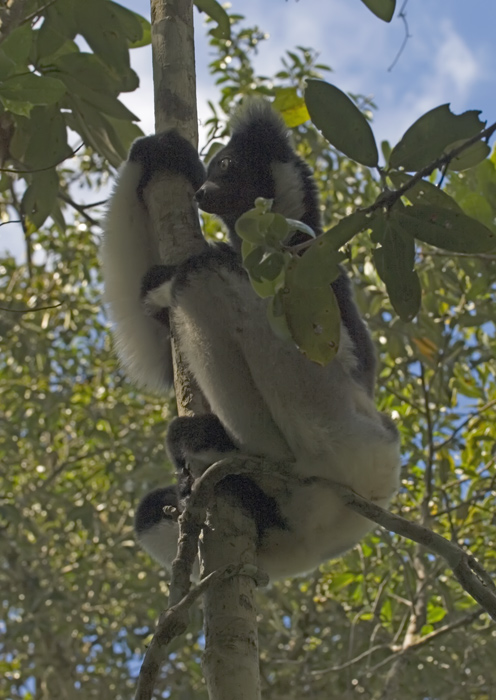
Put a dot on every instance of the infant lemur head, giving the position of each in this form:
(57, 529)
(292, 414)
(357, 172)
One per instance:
(259, 161)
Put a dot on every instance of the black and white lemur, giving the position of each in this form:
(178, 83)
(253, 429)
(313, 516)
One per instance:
(266, 398)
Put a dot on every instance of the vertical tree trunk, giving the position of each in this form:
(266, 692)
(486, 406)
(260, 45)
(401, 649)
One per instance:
(231, 654)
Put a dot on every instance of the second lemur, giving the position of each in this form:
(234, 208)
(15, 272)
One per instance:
(266, 398)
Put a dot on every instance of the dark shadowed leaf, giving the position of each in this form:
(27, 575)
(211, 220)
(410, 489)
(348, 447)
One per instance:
(430, 136)
(100, 23)
(384, 9)
(402, 282)
(36, 89)
(131, 23)
(218, 14)
(17, 45)
(40, 197)
(424, 192)
(445, 228)
(341, 122)
(47, 145)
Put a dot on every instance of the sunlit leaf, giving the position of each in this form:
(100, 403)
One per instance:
(291, 106)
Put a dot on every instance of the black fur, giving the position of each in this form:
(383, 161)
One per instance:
(266, 398)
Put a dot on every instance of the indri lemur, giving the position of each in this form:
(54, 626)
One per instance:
(266, 398)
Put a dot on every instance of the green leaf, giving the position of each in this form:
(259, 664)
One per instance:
(271, 266)
(47, 145)
(219, 15)
(341, 122)
(435, 613)
(247, 227)
(40, 196)
(424, 192)
(291, 106)
(131, 24)
(266, 270)
(103, 101)
(7, 66)
(252, 255)
(124, 133)
(17, 45)
(431, 135)
(36, 89)
(471, 156)
(386, 150)
(60, 18)
(99, 22)
(278, 229)
(384, 9)
(313, 318)
(445, 228)
(89, 70)
(21, 108)
(276, 317)
(346, 229)
(97, 131)
(146, 36)
(49, 40)
(402, 282)
(318, 266)
(476, 206)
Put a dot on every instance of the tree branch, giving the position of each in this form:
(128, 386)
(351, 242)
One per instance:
(390, 197)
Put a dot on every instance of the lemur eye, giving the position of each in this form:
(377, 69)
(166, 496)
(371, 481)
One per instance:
(225, 163)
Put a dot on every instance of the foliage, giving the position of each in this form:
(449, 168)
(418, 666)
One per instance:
(47, 84)
(79, 445)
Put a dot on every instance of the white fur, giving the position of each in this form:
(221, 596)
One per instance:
(142, 343)
(288, 199)
(161, 543)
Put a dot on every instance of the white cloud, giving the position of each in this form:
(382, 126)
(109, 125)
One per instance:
(455, 63)
(447, 71)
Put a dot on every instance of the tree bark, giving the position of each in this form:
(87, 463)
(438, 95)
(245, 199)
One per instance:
(231, 654)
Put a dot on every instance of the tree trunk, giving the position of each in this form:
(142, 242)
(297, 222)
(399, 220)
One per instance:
(231, 654)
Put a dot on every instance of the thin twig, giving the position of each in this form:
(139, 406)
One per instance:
(390, 197)
(402, 16)
(29, 311)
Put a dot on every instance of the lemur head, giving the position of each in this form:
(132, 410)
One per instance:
(259, 161)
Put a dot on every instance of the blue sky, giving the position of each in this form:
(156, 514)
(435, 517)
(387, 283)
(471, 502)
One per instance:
(450, 57)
